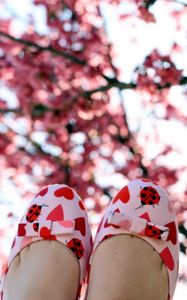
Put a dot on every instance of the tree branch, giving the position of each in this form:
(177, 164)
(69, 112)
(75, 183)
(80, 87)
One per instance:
(124, 86)
(41, 48)
(10, 110)
(148, 3)
(39, 110)
(183, 80)
(111, 84)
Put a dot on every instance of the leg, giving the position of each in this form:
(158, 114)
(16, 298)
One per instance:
(48, 258)
(44, 270)
(126, 267)
(142, 266)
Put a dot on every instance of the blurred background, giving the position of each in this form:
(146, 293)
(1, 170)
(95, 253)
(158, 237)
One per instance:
(92, 94)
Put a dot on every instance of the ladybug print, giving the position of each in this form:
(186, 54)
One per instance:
(149, 196)
(76, 246)
(33, 212)
(106, 237)
(153, 231)
(36, 226)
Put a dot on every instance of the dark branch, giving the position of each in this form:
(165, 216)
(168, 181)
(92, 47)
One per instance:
(41, 48)
(148, 3)
(183, 80)
(10, 110)
(111, 84)
(38, 110)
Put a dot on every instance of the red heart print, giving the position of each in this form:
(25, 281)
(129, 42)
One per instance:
(57, 214)
(81, 205)
(108, 224)
(80, 225)
(167, 258)
(42, 192)
(172, 233)
(21, 230)
(145, 216)
(46, 234)
(65, 192)
(148, 180)
(123, 195)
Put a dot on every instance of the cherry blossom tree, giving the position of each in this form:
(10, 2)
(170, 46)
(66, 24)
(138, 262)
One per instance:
(70, 123)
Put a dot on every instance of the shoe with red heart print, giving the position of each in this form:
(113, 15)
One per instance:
(55, 213)
(143, 208)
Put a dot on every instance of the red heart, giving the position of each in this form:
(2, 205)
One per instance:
(108, 224)
(172, 232)
(65, 192)
(123, 195)
(42, 192)
(145, 216)
(21, 230)
(46, 234)
(81, 205)
(167, 258)
(80, 225)
(148, 180)
(57, 214)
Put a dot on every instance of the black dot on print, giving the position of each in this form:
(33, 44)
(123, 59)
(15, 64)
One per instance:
(37, 213)
(78, 244)
(150, 202)
(150, 227)
(143, 195)
(154, 231)
(153, 197)
(145, 188)
(30, 211)
(34, 206)
(73, 249)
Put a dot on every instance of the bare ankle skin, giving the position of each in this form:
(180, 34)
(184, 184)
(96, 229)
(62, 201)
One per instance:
(45, 270)
(126, 267)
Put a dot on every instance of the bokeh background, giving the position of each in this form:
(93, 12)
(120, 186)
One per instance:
(92, 94)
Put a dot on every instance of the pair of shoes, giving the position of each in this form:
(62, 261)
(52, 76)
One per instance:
(141, 208)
